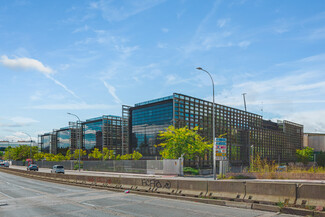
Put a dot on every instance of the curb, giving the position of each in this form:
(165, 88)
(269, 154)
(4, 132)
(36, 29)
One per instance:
(265, 207)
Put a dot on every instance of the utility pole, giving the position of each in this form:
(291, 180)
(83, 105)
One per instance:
(78, 135)
(244, 101)
(213, 127)
(30, 146)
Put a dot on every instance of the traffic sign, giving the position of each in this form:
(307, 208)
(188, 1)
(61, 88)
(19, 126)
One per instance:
(221, 149)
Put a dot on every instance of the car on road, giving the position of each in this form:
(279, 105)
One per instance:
(4, 164)
(32, 167)
(57, 169)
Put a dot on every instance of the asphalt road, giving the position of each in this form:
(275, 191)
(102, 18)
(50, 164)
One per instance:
(27, 197)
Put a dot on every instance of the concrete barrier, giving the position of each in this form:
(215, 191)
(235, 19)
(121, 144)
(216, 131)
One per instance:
(226, 189)
(192, 188)
(311, 194)
(101, 181)
(90, 180)
(157, 185)
(166, 186)
(271, 192)
(127, 183)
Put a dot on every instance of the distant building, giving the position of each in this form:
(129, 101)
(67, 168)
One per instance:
(6, 144)
(137, 130)
(315, 141)
(100, 132)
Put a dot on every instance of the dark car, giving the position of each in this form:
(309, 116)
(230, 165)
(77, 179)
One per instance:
(32, 167)
(4, 164)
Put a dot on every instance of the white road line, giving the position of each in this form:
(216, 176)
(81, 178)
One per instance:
(6, 195)
(88, 204)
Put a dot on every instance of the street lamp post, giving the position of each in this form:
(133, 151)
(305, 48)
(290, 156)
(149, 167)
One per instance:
(77, 139)
(30, 146)
(213, 126)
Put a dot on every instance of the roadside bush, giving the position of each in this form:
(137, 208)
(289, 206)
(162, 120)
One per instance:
(190, 170)
(76, 165)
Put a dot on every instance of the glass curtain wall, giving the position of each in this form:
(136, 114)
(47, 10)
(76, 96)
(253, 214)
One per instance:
(92, 134)
(147, 120)
(46, 143)
(63, 141)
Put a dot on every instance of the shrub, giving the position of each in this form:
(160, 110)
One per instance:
(190, 170)
(76, 165)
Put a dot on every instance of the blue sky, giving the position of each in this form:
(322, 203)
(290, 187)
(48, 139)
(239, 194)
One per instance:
(90, 57)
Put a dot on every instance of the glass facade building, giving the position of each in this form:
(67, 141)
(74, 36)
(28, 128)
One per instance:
(45, 142)
(100, 132)
(247, 133)
(92, 134)
(63, 140)
(147, 120)
(137, 130)
(103, 132)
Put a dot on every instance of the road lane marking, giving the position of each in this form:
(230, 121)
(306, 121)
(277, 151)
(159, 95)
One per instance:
(6, 195)
(88, 204)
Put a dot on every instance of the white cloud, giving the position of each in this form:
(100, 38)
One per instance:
(62, 85)
(161, 45)
(113, 13)
(222, 22)
(23, 120)
(313, 121)
(244, 44)
(165, 30)
(36, 96)
(90, 132)
(33, 64)
(112, 91)
(18, 122)
(26, 64)
(81, 29)
(19, 136)
(115, 43)
(71, 106)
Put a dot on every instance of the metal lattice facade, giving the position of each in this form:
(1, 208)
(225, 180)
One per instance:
(246, 133)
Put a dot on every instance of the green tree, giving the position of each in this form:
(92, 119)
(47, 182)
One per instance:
(21, 152)
(136, 155)
(68, 155)
(38, 156)
(182, 141)
(118, 157)
(108, 154)
(76, 153)
(59, 157)
(49, 157)
(305, 155)
(126, 157)
(96, 154)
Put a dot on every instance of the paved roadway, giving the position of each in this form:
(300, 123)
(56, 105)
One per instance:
(27, 197)
(205, 178)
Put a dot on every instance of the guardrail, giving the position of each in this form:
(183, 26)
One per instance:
(254, 192)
